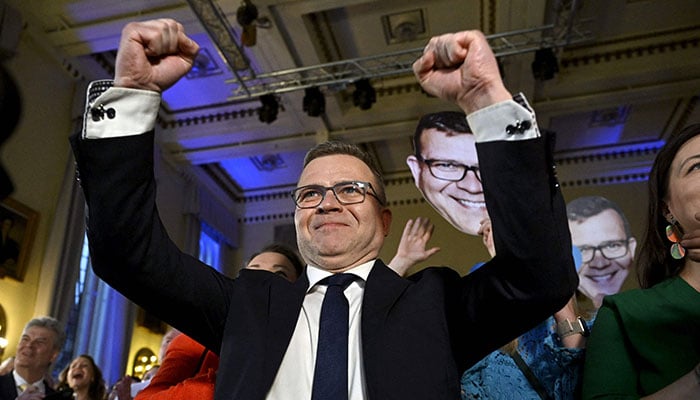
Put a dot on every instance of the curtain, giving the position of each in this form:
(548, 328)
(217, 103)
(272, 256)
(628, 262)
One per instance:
(101, 323)
(104, 328)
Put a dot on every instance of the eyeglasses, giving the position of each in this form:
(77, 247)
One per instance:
(610, 250)
(447, 170)
(353, 192)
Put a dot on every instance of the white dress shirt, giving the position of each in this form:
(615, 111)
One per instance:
(296, 372)
(19, 381)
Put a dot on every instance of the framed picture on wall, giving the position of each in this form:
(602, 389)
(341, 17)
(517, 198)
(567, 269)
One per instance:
(18, 225)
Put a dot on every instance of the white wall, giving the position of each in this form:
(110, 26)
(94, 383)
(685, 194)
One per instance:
(36, 157)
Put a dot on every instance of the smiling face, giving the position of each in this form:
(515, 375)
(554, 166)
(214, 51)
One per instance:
(334, 236)
(461, 203)
(600, 276)
(275, 263)
(683, 198)
(81, 373)
(36, 351)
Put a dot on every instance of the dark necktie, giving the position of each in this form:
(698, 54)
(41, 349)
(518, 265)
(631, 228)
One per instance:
(331, 371)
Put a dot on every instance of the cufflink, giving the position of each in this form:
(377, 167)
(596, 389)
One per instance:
(519, 127)
(99, 113)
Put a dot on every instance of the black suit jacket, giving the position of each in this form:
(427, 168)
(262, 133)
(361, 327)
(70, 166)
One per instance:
(418, 333)
(8, 387)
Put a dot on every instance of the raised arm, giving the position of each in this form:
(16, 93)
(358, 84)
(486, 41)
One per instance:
(129, 246)
(532, 276)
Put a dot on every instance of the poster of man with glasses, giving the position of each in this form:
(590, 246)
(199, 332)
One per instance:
(445, 169)
(602, 233)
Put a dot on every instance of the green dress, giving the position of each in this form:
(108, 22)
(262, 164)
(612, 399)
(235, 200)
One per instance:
(642, 341)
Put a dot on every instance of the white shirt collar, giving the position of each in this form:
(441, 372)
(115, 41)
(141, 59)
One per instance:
(20, 381)
(316, 274)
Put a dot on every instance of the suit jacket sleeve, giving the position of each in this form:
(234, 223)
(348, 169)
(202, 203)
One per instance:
(8, 387)
(129, 247)
(532, 274)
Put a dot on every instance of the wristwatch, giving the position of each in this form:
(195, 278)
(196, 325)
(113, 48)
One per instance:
(567, 328)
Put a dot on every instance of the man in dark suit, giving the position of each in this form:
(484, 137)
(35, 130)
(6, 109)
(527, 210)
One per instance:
(39, 346)
(407, 338)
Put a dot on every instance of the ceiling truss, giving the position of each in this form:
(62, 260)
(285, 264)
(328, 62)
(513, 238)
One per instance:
(565, 31)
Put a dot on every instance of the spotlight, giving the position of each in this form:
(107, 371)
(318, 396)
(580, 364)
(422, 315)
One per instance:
(364, 94)
(314, 102)
(268, 111)
(545, 65)
(246, 15)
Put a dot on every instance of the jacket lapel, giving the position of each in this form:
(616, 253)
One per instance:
(8, 388)
(284, 308)
(382, 290)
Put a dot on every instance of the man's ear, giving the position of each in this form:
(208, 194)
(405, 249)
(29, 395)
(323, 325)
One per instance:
(386, 220)
(414, 165)
(54, 357)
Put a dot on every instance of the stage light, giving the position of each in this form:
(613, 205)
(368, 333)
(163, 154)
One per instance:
(545, 65)
(314, 102)
(364, 95)
(247, 15)
(267, 113)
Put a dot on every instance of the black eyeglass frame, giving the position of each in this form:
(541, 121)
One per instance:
(600, 248)
(364, 186)
(465, 168)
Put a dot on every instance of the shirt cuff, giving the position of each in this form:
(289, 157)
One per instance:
(117, 111)
(507, 120)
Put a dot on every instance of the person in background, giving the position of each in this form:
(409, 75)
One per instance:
(128, 386)
(188, 369)
(602, 233)
(84, 378)
(646, 341)
(265, 328)
(170, 334)
(544, 363)
(278, 259)
(444, 155)
(39, 346)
